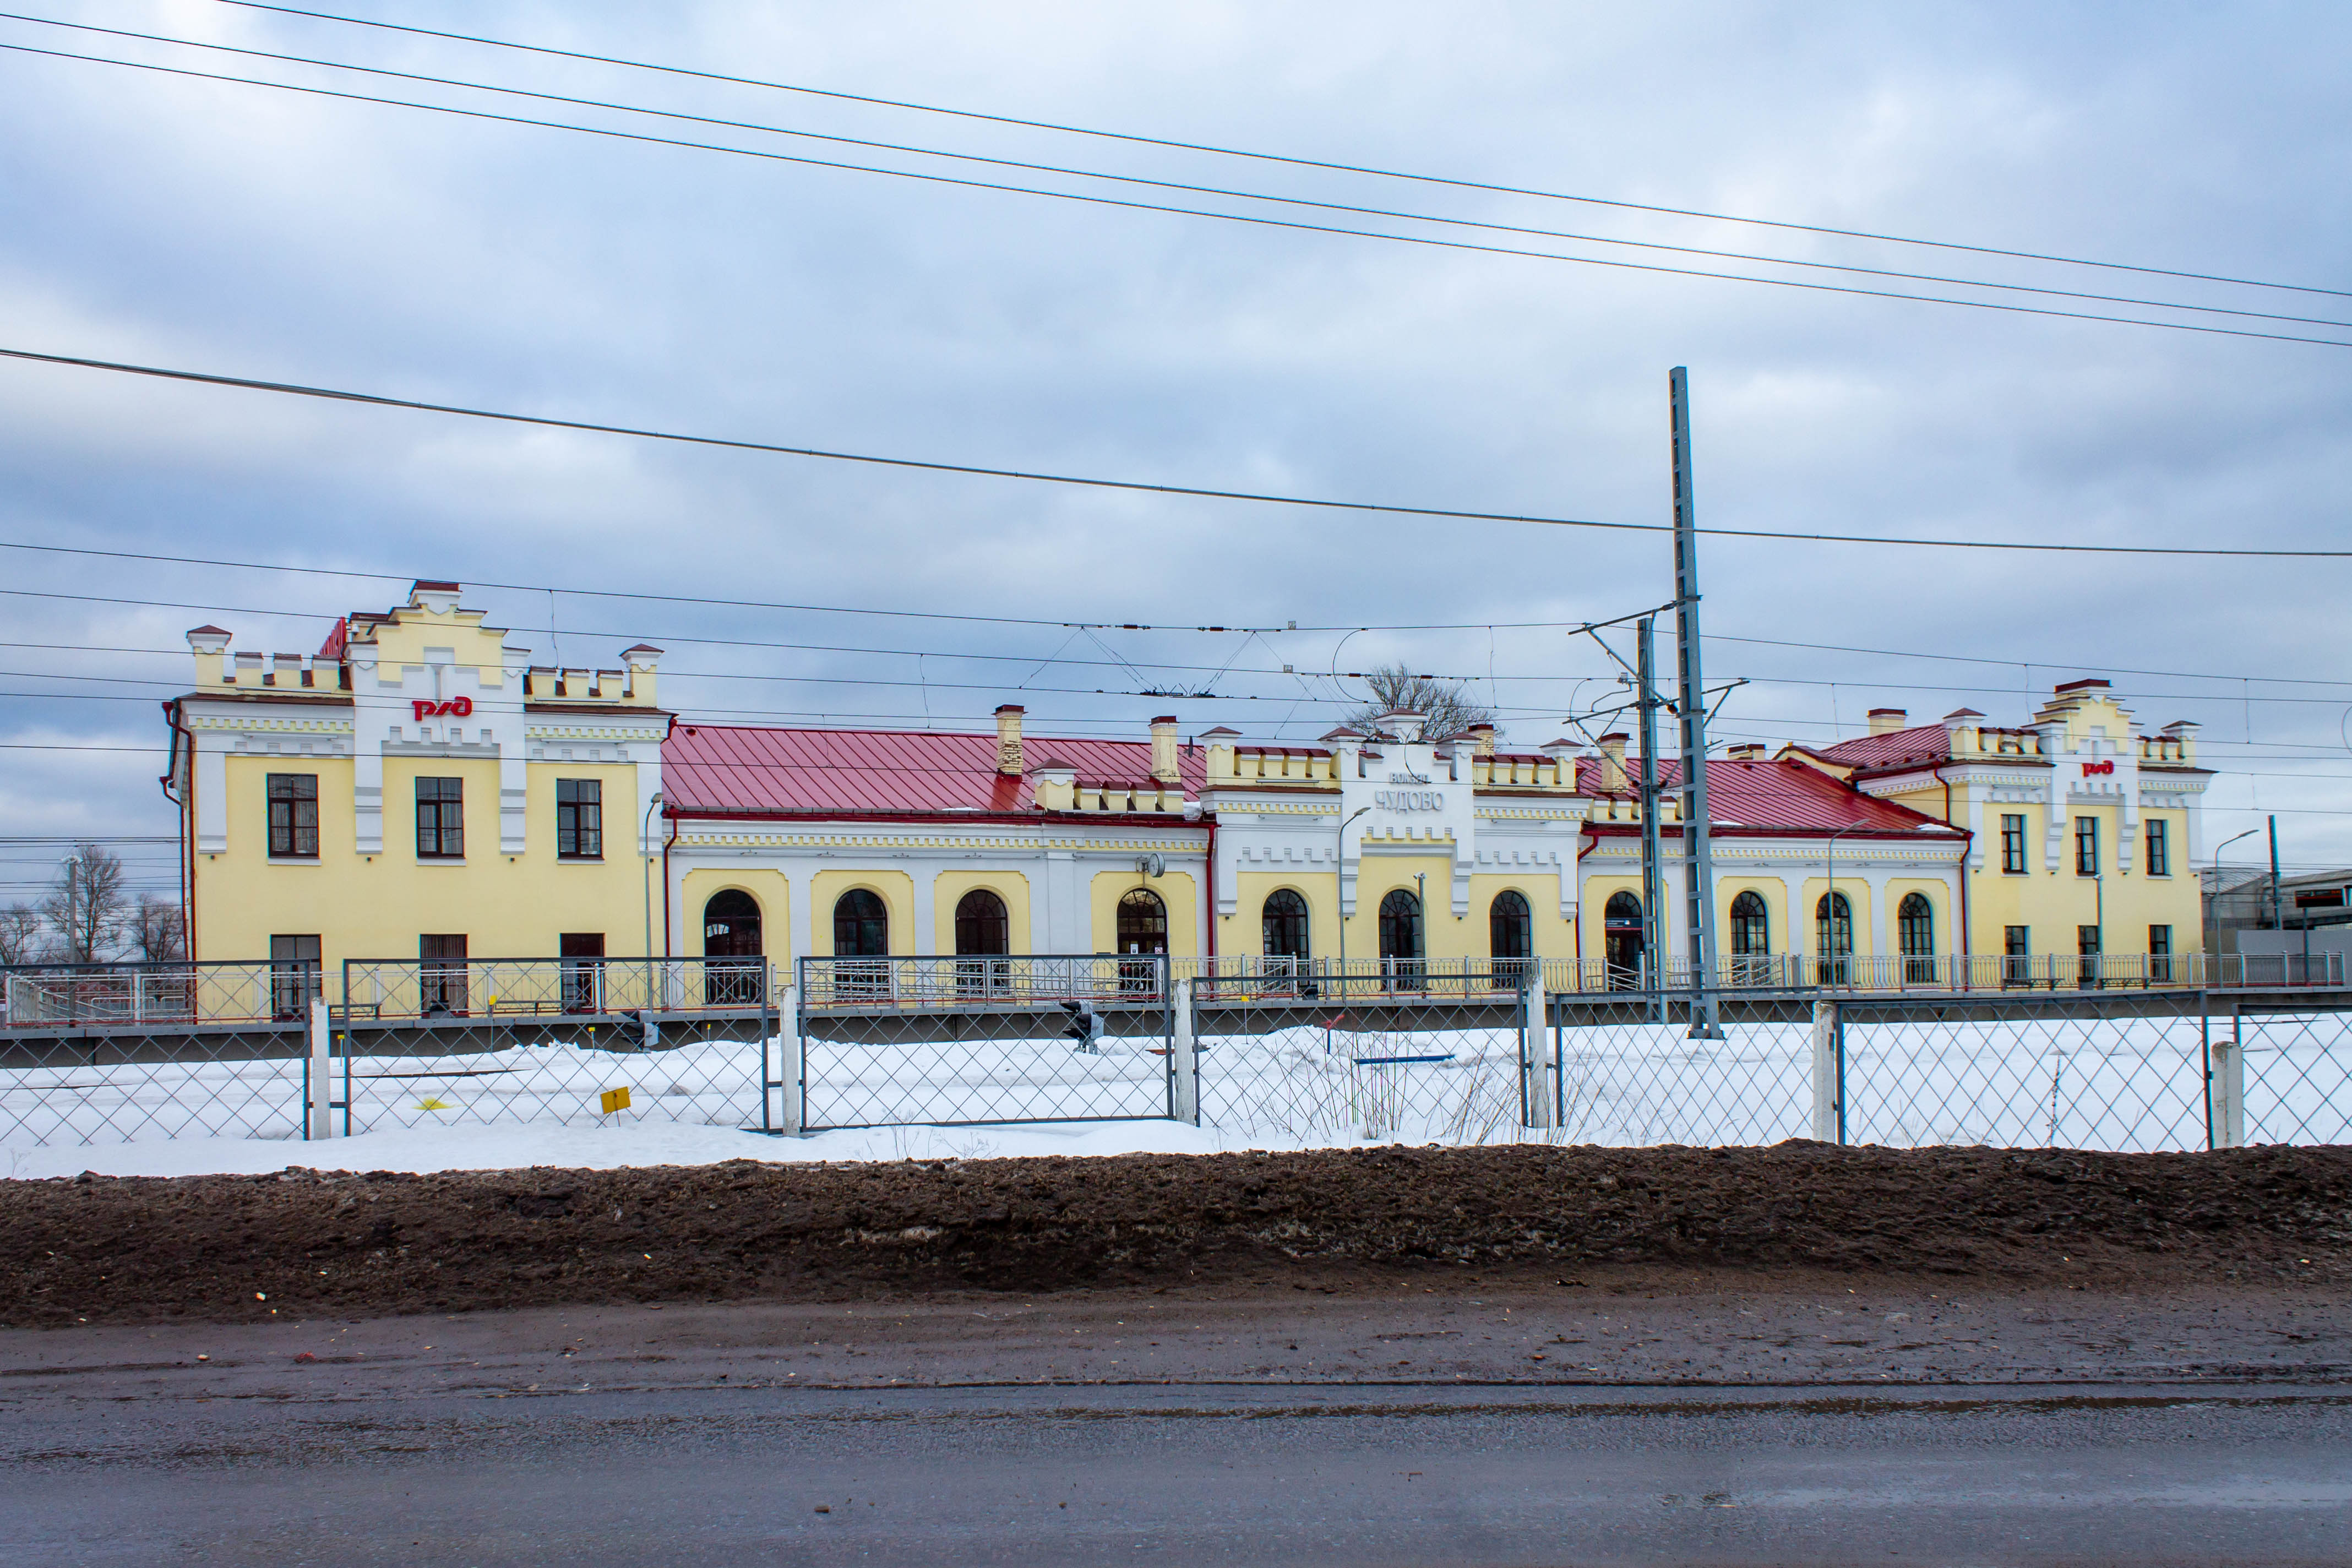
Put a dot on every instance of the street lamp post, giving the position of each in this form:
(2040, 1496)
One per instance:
(2249, 833)
(1829, 901)
(646, 843)
(1340, 892)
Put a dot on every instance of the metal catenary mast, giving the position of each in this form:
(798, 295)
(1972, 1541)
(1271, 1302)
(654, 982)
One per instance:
(1699, 863)
(1653, 925)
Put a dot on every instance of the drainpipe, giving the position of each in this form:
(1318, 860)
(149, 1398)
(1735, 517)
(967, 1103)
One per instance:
(1212, 880)
(669, 837)
(187, 826)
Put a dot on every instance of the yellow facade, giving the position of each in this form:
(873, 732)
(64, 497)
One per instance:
(2085, 759)
(949, 889)
(425, 692)
(1173, 888)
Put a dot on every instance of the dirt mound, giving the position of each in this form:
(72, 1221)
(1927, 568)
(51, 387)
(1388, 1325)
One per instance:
(309, 1243)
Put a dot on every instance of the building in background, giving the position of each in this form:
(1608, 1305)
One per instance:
(2083, 830)
(416, 788)
(418, 791)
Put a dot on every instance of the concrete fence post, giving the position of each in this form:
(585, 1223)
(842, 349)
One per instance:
(2229, 1087)
(1535, 1062)
(1183, 1056)
(792, 1065)
(317, 1077)
(1829, 1074)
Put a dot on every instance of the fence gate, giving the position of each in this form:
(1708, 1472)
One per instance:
(616, 1041)
(1420, 1057)
(950, 1042)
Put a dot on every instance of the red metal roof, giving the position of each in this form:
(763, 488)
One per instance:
(1786, 796)
(725, 769)
(1919, 743)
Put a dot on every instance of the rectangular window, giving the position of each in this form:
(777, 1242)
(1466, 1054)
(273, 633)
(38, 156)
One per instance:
(2087, 940)
(441, 973)
(440, 819)
(293, 975)
(2086, 847)
(2016, 964)
(2012, 842)
(579, 819)
(2160, 954)
(294, 816)
(2160, 849)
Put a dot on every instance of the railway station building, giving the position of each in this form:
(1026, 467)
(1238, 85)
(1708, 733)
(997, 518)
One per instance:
(418, 789)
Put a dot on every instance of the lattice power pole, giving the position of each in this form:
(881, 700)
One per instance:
(1699, 863)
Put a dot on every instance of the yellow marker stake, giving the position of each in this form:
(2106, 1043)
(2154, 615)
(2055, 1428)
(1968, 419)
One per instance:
(615, 1100)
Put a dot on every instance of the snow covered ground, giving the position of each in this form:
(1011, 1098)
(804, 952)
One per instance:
(2119, 1084)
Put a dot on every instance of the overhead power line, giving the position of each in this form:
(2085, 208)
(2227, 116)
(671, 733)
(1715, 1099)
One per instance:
(1254, 219)
(377, 400)
(672, 637)
(1187, 187)
(1292, 161)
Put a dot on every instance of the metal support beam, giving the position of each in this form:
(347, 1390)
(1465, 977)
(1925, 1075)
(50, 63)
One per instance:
(1654, 950)
(1698, 862)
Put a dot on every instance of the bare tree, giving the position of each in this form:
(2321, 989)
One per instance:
(87, 904)
(1445, 707)
(157, 932)
(20, 934)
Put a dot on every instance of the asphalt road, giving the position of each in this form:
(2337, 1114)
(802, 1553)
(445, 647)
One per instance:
(695, 1436)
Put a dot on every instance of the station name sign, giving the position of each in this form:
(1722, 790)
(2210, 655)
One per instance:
(1408, 800)
(456, 707)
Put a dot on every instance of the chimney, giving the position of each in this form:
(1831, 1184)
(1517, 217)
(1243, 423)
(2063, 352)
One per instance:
(1752, 751)
(1008, 741)
(1481, 739)
(1887, 720)
(1163, 750)
(1612, 763)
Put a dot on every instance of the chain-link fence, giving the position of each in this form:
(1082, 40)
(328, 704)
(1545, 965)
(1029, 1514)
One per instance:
(1630, 1073)
(1451, 1057)
(960, 1041)
(1449, 1053)
(113, 1053)
(577, 1040)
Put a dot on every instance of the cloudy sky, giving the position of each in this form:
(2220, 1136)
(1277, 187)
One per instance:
(250, 231)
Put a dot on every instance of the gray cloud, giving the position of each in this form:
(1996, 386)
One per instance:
(263, 234)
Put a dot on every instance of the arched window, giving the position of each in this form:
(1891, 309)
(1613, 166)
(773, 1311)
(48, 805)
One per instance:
(1833, 938)
(1143, 921)
(1142, 928)
(981, 927)
(1401, 935)
(1510, 933)
(1286, 930)
(1915, 921)
(983, 936)
(730, 925)
(861, 925)
(1751, 940)
(731, 950)
(1621, 925)
(1751, 925)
